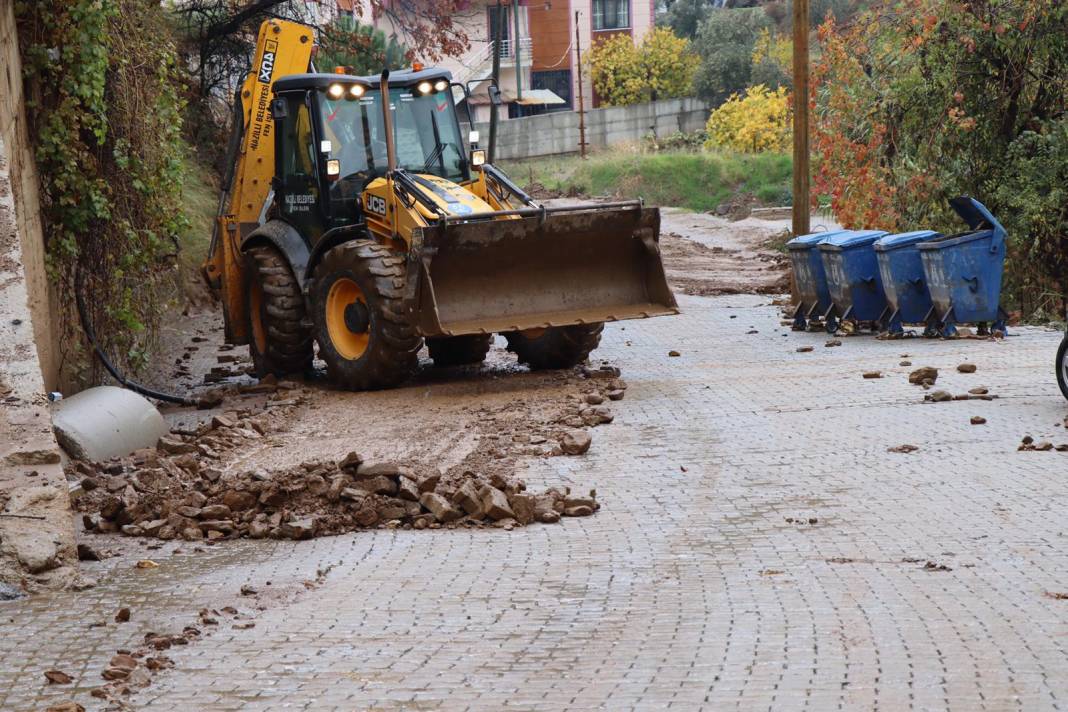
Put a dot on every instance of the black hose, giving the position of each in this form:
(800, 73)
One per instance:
(87, 327)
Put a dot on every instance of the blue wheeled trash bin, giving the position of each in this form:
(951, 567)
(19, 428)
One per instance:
(853, 279)
(963, 271)
(809, 277)
(904, 283)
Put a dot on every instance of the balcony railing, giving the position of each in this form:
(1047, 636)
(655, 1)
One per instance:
(477, 62)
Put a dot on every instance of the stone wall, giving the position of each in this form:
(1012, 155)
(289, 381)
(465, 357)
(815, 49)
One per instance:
(558, 132)
(24, 183)
(37, 547)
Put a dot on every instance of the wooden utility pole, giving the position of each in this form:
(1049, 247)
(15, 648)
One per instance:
(801, 158)
(581, 106)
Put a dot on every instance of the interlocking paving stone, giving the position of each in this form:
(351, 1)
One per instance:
(689, 589)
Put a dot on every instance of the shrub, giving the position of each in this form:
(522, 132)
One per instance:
(754, 123)
(943, 99)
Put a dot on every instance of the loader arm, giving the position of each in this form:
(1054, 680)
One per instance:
(282, 48)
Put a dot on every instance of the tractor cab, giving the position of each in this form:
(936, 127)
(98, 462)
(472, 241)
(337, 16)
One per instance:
(331, 142)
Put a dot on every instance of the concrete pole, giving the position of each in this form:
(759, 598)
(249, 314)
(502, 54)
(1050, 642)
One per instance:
(495, 46)
(581, 105)
(801, 148)
(518, 58)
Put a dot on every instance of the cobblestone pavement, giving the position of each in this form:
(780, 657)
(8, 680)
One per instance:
(758, 548)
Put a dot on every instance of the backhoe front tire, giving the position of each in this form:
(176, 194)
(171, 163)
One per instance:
(556, 346)
(459, 350)
(360, 325)
(279, 343)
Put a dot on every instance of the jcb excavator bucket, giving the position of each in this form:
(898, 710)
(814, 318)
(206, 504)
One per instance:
(531, 269)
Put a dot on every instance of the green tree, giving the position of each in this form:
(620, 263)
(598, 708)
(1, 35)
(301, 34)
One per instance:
(347, 43)
(725, 42)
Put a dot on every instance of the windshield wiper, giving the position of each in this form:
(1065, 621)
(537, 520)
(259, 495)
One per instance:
(433, 157)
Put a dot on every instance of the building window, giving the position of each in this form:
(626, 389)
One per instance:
(611, 14)
(558, 81)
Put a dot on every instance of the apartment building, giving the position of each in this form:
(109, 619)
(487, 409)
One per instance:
(537, 47)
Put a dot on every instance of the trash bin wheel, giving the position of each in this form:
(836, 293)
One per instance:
(1062, 366)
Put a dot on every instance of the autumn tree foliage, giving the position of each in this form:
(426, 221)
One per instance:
(662, 67)
(917, 101)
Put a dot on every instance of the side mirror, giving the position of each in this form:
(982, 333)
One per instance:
(279, 109)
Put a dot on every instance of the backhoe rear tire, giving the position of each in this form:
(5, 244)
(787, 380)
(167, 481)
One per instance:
(556, 346)
(363, 334)
(279, 342)
(459, 350)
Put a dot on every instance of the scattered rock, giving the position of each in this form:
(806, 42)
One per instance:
(803, 349)
(439, 507)
(65, 706)
(905, 363)
(1044, 446)
(495, 504)
(175, 446)
(86, 552)
(58, 677)
(873, 374)
(833, 342)
(924, 375)
(966, 368)
(903, 448)
(575, 442)
(978, 420)
(939, 396)
(301, 528)
(247, 590)
(980, 391)
(615, 394)
(123, 615)
(674, 354)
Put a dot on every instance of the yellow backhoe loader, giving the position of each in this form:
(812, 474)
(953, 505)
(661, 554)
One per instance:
(357, 217)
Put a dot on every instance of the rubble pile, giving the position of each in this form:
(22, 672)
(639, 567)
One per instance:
(186, 488)
(316, 498)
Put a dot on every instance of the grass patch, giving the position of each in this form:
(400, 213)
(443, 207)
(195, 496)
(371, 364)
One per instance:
(200, 200)
(696, 181)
